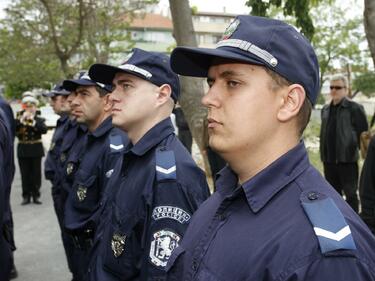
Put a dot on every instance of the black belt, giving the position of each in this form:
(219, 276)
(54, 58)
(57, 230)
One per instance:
(83, 240)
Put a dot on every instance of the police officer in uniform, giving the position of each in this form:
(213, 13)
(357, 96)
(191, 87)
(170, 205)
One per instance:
(9, 121)
(60, 106)
(91, 106)
(157, 186)
(6, 176)
(65, 132)
(273, 216)
(29, 129)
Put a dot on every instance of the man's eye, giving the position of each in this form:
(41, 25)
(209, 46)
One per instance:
(233, 84)
(125, 86)
(210, 83)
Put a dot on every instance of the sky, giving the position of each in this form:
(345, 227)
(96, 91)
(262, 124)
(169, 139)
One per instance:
(354, 7)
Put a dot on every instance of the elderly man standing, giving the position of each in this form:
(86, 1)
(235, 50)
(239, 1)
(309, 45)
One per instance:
(343, 120)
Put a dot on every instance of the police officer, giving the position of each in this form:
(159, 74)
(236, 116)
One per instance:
(6, 176)
(64, 137)
(91, 106)
(273, 216)
(157, 186)
(29, 129)
(10, 169)
(58, 101)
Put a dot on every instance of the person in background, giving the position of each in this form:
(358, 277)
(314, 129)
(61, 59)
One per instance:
(29, 129)
(184, 134)
(367, 187)
(343, 121)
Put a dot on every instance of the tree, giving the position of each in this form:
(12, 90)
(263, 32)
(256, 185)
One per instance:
(75, 33)
(337, 38)
(365, 83)
(191, 88)
(369, 23)
(298, 8)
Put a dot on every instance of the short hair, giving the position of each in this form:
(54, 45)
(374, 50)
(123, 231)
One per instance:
(304, 114)
(102, 92)
(339, 77)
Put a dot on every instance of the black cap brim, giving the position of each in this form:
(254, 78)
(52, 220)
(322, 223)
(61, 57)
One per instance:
(195, 62)
(104, 73)
(72, 85)
(48, 95)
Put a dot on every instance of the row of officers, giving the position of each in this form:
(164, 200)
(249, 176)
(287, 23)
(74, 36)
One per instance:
(125, 189)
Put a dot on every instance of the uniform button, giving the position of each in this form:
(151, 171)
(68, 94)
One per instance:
(312, 195)
(194, 265)
(221, 217)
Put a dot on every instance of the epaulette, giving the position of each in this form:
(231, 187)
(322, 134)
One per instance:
(329, 224)
(116, 143)
(165, 164)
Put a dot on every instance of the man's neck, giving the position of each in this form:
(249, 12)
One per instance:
(248, 163)
(139, 130)
(94, 125)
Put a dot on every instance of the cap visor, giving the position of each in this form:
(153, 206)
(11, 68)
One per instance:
(48, 95)
(104, 73)
(72, 85)
(195, 62)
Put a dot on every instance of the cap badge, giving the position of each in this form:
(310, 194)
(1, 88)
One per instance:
(81, 193)
(230, 29)
(69, 168)
(118, 244)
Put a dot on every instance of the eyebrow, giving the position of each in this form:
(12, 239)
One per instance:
(82, 91)
(124, 80)
(226, 74)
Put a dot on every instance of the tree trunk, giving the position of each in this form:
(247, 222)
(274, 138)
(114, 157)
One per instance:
(191, 88)
(369, 22)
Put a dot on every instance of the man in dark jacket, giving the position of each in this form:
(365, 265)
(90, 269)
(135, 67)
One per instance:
(29, 129)
(343, 121)
(367, 187)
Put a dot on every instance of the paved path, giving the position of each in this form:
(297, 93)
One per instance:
(39, 255)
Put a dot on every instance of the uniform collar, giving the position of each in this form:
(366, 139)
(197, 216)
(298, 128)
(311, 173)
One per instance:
(103, 128)
(343, 103)
(63, 118)
(153, 137)
(260, 189)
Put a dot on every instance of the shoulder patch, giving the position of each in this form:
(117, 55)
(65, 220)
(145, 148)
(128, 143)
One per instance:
(163, 243)
(116, 143)
(165, 165)
(329, 224)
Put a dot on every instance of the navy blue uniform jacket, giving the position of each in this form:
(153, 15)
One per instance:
(285, 223)
(154, 195)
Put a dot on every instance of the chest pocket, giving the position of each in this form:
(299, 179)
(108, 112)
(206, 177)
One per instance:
(86, 191)
(121, 244)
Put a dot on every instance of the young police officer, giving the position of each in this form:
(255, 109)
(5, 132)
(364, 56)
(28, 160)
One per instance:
(159, 186)
(273, 216)
(91, 106)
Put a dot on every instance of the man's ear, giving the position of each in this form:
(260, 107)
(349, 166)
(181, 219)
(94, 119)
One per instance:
(164, 94)
(293, 98)
(107, 103)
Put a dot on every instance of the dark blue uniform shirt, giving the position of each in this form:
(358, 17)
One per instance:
(153, 198)
(53, 155)
(285, 223)
(83, 205)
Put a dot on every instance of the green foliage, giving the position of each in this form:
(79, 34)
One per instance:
(297, 8)
(365, 83)
(44, 41)
(337, 38)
